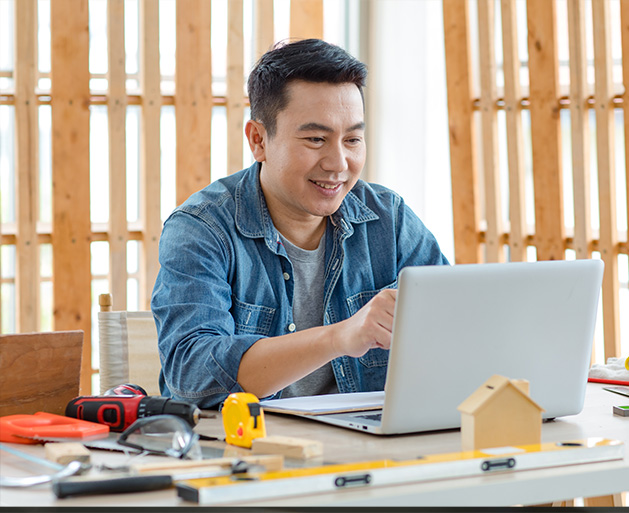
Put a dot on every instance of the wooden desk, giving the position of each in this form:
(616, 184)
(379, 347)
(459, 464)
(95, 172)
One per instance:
(341, 445)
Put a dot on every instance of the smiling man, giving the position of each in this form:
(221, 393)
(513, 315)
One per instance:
(280, 280)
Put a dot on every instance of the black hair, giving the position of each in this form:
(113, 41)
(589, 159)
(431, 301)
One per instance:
(310, 60)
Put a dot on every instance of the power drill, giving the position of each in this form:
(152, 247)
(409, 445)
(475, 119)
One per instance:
(118, 409)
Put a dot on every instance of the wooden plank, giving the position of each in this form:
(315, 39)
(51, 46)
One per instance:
(608, 239)
(624, 24)
(580, 135)
(545, 129)
(117, 113)
(264, 36)
(27, 168)
(489, 127)
(235, 86)
(463, 160)
(70, 173)
(150, 161)
(306, 19)
(515, 138)
(193, 97)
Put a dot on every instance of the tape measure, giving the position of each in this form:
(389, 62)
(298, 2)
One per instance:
(243, 419)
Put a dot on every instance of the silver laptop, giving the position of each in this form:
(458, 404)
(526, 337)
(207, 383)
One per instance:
(455, 327)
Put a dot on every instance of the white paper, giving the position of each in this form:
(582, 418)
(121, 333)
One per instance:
(328, 402)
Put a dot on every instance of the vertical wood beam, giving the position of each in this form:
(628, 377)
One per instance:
(489, 127)
(71, 230)
(150, 160)
(515, 141)
(545, 129)
(264, 36)
(193, 96)
(117, 114)
(27, 167)
(624, 26)
(608, 240)
(579, 120)
(306, 19)
(235, 86)
(463, 159)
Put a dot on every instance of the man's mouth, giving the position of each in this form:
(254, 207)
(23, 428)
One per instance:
(326, 185)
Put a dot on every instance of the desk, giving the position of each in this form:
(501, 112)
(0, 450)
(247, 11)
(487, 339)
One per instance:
(499, 489)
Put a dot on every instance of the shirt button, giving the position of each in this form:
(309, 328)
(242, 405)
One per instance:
(292, 327)
(286, 276)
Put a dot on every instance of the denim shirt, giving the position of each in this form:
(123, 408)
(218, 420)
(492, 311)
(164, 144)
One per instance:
(225, 281)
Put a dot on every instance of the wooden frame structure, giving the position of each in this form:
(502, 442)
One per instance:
(477, 239)
(71, 232)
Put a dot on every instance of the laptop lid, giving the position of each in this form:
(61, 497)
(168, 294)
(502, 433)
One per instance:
(456, 326)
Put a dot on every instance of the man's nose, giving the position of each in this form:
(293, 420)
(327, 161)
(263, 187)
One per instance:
(335, 158)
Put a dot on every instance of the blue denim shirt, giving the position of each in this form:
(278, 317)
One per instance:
(225, 281)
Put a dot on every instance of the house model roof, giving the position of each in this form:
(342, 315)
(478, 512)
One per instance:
(487, 390)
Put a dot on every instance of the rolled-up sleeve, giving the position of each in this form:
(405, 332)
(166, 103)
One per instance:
(199, 349)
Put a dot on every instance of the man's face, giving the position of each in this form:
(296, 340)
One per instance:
(317, 153)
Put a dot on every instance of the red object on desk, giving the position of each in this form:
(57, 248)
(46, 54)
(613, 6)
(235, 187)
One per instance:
(609, 381)
(19, 428)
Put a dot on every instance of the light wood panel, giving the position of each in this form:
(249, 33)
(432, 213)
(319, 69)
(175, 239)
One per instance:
(193, 96)
(494, 249)
(604, 108)
(235, 86)
(71, 231)
(463, 159)
(624, 26)
(515, 141)
(27, 169)
(117, 115)
(264, 27)
(150, 160)
(306, 19)
(545, 129)
(580, 132)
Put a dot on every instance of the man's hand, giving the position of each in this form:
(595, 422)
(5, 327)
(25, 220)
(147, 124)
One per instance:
(368, 328)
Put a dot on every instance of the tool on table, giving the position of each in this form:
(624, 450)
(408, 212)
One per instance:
(23, 429)
(120, 411)
(63, 471)
(243, 419)
(141, 483)
(621, 411)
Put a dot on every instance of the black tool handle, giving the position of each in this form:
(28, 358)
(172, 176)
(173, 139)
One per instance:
(129, 484)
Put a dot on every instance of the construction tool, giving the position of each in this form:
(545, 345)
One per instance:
(243, 419)
(120, 411)
(23, 429)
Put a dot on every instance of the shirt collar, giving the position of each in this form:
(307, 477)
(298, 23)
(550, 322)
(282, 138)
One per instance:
(253, 219)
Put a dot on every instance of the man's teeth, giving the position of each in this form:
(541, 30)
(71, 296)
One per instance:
(326, 186)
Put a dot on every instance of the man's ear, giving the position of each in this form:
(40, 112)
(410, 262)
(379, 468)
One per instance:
(256, 136)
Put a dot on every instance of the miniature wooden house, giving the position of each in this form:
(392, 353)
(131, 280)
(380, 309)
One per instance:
(500, 413)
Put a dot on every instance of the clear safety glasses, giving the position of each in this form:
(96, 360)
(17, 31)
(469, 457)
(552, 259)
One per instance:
(162, 434)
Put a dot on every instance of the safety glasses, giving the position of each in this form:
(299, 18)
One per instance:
(162, 434)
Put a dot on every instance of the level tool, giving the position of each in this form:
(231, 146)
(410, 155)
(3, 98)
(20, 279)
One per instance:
(290, 482)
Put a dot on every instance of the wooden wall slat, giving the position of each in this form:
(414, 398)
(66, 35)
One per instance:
(150, 161)
(70, 173)
(608, 243)
(515, 140)
(306, 19)
(27, 168)
(463, 161)
(494, 249)
(264, 36)
(545, 129)
(193, 96)
(580, 131)
(624, 25)
(235, 86)
(117, 113)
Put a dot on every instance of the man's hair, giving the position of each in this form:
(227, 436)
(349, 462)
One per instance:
(310, 60)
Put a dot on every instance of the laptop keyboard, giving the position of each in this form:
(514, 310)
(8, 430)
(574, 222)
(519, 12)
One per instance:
(373, 416)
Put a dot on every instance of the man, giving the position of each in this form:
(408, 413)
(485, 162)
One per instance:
(280, 279)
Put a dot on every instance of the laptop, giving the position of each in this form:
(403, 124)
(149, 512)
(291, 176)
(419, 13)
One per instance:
(456, 326)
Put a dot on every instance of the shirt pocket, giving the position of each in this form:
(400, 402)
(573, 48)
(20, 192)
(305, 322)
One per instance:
(251, 319)
(374, 357)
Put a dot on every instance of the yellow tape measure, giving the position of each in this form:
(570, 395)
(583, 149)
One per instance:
(243, 419)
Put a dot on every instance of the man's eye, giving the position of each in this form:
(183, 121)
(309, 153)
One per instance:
(316, 140)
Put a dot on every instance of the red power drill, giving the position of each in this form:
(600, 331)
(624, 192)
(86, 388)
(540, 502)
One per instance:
(119, 409)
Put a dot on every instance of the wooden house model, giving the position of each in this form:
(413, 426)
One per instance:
(500, 413)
